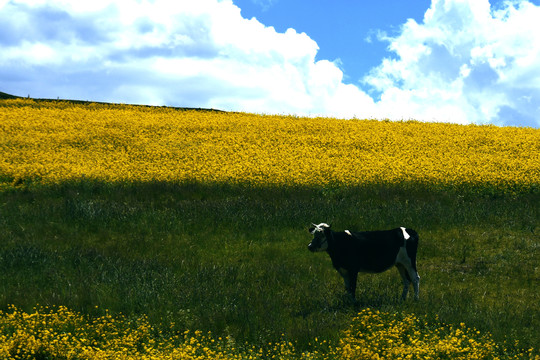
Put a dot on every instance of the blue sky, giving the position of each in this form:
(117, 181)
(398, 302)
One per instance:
(462, 61)
(345, 30)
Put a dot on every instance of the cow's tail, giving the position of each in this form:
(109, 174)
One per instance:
(411, 245)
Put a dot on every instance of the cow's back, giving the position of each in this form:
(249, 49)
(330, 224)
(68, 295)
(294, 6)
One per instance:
(374, 251)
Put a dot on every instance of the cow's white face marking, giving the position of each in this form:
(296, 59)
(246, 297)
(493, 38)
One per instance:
(319, 242)
(405, 233)
(348, 232)
(320, 227)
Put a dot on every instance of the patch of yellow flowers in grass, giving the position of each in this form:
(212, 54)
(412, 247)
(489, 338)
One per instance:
(53, 142)
(380, 335)
(58, 333)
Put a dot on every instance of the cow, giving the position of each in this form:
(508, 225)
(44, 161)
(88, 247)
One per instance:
(370, 252)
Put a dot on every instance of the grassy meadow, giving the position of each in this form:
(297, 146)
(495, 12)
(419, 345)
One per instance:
(132, 232)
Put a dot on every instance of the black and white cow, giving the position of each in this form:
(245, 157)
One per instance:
(369, 251)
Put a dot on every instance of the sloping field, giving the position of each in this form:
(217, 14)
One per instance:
(54, 142)
(133, 232)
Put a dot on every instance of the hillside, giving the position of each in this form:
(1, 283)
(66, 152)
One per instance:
(58, 141)
(186, 231)
(4, 96)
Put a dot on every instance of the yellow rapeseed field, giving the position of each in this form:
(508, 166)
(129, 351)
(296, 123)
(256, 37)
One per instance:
(59, 333)
(56, 142)
(52, 142)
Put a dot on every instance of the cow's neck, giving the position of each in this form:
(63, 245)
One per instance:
(331, 242)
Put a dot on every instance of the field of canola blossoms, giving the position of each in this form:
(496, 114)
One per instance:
(59, 333)
(52, 142)
(43, 143)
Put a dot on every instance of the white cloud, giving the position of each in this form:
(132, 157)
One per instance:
(464, 63)
(184, 53)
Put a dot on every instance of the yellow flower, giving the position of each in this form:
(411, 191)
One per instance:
(52, 142)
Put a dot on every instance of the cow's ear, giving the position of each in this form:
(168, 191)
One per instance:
(311, 230)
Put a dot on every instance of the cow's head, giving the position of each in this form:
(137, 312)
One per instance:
(319, 242)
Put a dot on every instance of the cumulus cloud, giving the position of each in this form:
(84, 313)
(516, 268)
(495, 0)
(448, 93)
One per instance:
(185, 53)
(466, 62)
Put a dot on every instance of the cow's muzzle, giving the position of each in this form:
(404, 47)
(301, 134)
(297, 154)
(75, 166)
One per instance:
(314, 248)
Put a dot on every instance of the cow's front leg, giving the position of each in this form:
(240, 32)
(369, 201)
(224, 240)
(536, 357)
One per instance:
(352, 279)
(349, 279)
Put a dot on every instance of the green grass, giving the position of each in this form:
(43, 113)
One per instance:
(234, 259)
(3, 95)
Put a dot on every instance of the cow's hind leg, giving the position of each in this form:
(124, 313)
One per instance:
(416, 284)
(410, 265)
(406, 280)
(409, 274)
